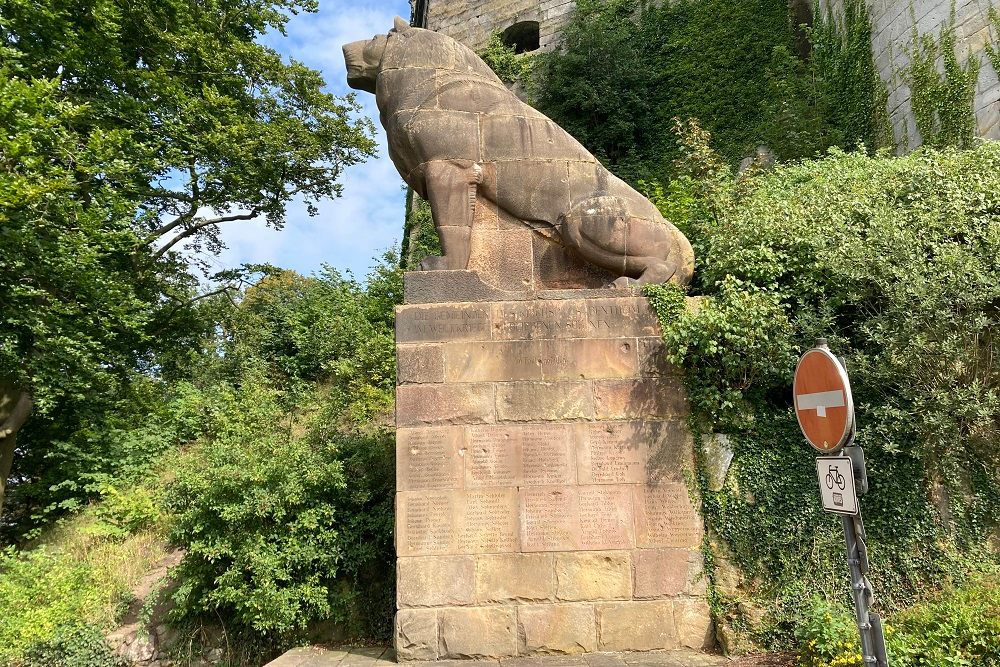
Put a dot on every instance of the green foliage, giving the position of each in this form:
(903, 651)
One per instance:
(993, 52)
(511, 67)
(74, 646)
(41, 591)
(827, 636)
(959, 627)
(420, 238)
(276, 542)
(259, 530)
(942, 101)
(895, 261)
(626, 69)
(848, 90)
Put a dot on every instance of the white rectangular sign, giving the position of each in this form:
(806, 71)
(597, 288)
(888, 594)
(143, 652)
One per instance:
(836, 484)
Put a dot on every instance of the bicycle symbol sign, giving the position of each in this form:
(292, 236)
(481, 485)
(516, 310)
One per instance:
(836, 484)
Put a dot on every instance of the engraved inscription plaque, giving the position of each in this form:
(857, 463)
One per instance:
(548, 519)
(606, 520)
(491, 458)
(665, 516)
(546, 454)
(489, 522)
(428, 458)
(424, 522)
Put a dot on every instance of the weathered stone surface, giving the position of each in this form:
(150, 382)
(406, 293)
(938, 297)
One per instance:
(594, 575)
(668, 573)
(621, 317)
(632, 399)
(442, 322)
(665, 516)
(416, 636)
(477, 632)
(425, 287)
(557, 628)
(456, 135)
(434, 404)
(515, 578)
(435, 581)
(419, 363)
(636, 626)
(718, 455)
(429, 458)
(694, 624)
(543, 401)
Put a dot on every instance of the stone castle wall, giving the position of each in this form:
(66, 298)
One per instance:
(473, 22)
(892, 35)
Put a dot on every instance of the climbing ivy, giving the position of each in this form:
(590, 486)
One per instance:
(993, 52)
(942, 101)
(510, 66)
(895, 260)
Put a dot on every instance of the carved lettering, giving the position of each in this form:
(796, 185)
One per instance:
(667, 517)
(606, 517)
(428, 458)
(548, 519)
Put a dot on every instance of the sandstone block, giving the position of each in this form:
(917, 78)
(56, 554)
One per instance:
(477, 632)
(502, 258)
(442, 322)
(594, 575)
(429, 458)
(489, 361)
(434, 404)
(668, 573)
(543, 401)
(435, 581)
(419, 363)
(636, 399)
(665, 516)
(515, 578)
(693, 621)
(557, 628)
(416, 635)
(636, 626)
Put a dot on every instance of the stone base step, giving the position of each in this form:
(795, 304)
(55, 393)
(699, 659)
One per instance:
(381, 656)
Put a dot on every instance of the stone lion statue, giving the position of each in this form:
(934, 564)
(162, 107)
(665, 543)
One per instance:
(456, 132)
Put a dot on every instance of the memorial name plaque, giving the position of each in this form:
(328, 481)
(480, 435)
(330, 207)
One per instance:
(432, 523)
(606, 518)
(429, 458)
(424, 522)
(665, 516)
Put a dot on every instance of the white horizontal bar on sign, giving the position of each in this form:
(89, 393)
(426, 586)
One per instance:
(820, 401)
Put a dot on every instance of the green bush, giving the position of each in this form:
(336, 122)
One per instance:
(897, 262)
(41, 592)
(958, 627)
(827, 636)
(76, 645)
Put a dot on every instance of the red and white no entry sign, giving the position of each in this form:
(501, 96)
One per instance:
(823, 402)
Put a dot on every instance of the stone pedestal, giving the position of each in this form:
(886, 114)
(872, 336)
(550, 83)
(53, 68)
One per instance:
(541, 504)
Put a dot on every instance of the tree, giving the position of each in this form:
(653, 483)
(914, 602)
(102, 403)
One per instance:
(132, 130)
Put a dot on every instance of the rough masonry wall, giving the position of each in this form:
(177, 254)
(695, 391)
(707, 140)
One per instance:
(541, 505)
(892, 36)
(472, 22)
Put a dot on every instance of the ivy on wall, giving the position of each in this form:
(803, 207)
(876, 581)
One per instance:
(993, 52)
(942, 100)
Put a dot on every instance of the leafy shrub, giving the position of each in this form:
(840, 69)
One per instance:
(76, 645)
(270, 520)
(510, 66)
(958, 627)
(41, 591)
(895, 261)
(827, 637)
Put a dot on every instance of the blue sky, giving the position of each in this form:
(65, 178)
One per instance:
(368, 219)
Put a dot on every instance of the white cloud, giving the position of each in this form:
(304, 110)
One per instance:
(350, 231)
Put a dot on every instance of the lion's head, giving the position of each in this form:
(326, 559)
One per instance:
(408, 47)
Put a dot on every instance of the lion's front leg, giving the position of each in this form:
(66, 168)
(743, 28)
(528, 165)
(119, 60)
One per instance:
(451, 191)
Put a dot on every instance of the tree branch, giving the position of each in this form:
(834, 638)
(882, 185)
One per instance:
(208, 222)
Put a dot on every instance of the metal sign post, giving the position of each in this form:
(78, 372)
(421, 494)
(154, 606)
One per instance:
(824, 407)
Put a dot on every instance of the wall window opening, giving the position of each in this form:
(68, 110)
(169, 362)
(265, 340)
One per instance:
(522, 36)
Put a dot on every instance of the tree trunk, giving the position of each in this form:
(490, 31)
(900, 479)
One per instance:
(15, 406)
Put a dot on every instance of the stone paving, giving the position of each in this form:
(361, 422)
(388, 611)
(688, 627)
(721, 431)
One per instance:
(380, 656)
